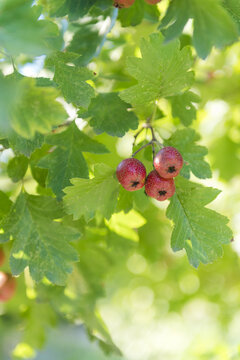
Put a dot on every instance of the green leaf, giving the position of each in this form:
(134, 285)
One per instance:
(27, 109)
(37, 110)
(76, 9)
(233, 7)
(199, 230)
(51, 6)
(22, 33)
(185, 142)
(72, 80)
(63, 164)
(40, 316)
(133, 15)
(38, 241)
(5, 204)
(141, 200)
(17, 168)
(38, 173)
(125, 225)
(224, 154)
(11, 92)
(162, 71)
(67, 161)
(90, 34)
(5, 143)
(125, 200)
(213, 25)
(24, 146)
(153, 247)
(79, 224)
(183, 108)
(110, 114)
(152, 13)
(88, 196)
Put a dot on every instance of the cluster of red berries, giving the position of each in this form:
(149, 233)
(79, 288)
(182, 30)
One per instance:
(127, 3)
(7, 282)
(159, 184)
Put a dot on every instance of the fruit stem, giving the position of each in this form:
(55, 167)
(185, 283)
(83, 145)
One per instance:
(141, 148)
(138, 133)
(152, 142)
(148, 125)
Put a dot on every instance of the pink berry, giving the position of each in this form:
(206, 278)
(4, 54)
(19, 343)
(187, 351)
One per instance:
(168, 162)
(159, 188)
(131, 174)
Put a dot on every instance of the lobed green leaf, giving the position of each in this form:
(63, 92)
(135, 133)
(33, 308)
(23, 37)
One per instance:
(109, 113)
(38, 241)
(197, 229)
(67, 161)
(213, 25)
(162, 71)
(88, 196)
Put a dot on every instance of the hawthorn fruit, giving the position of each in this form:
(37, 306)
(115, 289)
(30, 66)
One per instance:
(2, 257)
(168, 162)
(158, 187)
(131, 174)
(123, 3)
(7, 286)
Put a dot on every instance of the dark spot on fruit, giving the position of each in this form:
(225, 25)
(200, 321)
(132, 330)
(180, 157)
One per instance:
(135, 183)
(162, 192)
(171, 169)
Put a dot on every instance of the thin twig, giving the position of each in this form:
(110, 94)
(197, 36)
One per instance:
(9, 57)
(67, 123)
(148, 125)
(154, 139)
(152, 143)
(153, 133)
(13, 65)
(153, 152)
(141, 148)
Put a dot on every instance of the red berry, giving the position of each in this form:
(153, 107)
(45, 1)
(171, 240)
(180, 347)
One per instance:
(7, 286)
(152, 2)
(123, 3)
(131, 174)
(159, 188)
(2, 257)
(168, 162)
